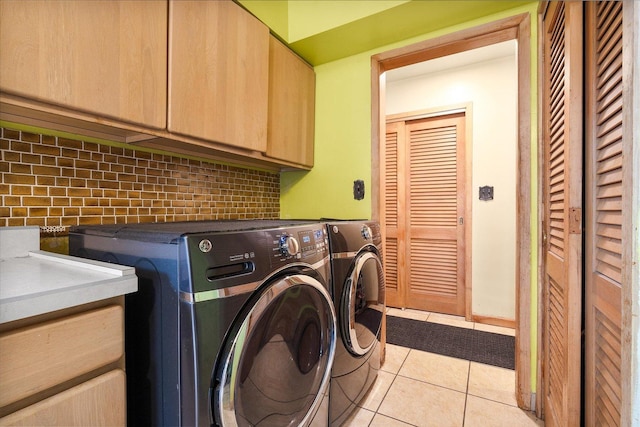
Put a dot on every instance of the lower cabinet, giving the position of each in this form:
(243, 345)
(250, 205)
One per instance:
(97, 402)
(64, 368)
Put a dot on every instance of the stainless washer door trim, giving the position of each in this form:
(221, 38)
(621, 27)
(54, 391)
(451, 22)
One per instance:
(225, 397)
(343, 255)
(348, 316)
(219, 293)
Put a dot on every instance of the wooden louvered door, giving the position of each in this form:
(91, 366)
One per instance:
(394, 214)
(604, 200)
(435, 223)
(424, 195)
(562, 207)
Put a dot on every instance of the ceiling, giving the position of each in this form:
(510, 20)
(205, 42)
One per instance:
(381, 28)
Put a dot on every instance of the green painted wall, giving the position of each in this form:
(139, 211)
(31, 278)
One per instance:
(343, 145)
(343, 132)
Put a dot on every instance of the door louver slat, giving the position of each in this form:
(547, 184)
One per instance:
(607, 372)
(391, 179)
(392, 259)
(434, 267)
(604, 194)
(391, 264)
(556, 341)
(429, 147)
(557, 131)
(562, 136)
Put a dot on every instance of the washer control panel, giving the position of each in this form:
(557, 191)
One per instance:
(289, 245)
(298, 243)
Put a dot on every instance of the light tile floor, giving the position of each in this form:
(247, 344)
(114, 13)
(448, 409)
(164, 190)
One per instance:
(417, 388)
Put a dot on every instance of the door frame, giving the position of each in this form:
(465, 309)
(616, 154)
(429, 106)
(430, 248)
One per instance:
(516, 27)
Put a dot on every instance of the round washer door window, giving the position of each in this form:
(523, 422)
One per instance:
(276, 363)
(362, 304)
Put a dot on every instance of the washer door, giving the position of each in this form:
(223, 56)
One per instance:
(362, 304)
(277, 360)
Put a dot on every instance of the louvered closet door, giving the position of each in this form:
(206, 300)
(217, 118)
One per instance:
(394, 214)
(562, 201)
(604, 200)
(434, 174)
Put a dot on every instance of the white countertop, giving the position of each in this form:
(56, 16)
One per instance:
(34, 282)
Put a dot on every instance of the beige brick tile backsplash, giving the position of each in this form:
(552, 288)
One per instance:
(52, 181)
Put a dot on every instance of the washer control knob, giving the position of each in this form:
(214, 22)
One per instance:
(289, 246)
(366, 232)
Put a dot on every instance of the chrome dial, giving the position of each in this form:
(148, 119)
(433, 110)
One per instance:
(289, 245)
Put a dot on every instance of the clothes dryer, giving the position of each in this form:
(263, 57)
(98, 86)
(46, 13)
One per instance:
(233, 324)
(358, 291)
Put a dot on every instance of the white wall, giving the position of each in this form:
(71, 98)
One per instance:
(491, 87)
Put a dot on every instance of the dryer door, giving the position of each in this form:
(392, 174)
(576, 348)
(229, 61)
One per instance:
(362, 304)
(276, 363)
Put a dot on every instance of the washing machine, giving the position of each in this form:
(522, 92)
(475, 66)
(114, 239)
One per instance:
(358, 292)
(233, 323)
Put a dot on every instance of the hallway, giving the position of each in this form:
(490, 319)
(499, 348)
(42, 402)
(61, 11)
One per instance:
(416, 388)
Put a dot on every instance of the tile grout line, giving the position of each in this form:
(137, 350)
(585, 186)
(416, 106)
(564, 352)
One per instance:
(466, 396)
(433, 384)
(493, 400)
(395, 376)
(383, 397)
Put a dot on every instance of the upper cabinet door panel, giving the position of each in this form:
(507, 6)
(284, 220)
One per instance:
(292, 84)
(218, 73)
(102, 57)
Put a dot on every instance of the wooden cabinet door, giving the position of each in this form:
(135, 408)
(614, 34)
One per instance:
(562, 141)
(102, 57)
(73, 345)
(292, 85)
(605, 197)
(97, 402)
(218, 73)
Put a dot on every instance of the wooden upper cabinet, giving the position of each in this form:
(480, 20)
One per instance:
(103, 57)
(218, 73)
(291, 106)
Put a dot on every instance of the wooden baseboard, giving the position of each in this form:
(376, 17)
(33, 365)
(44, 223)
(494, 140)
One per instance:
(495, 321)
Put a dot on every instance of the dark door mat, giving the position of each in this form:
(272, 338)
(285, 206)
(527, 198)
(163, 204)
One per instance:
(462, 343)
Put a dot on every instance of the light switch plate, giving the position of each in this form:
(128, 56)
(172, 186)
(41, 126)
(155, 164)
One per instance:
(486, 193)
(358, 189)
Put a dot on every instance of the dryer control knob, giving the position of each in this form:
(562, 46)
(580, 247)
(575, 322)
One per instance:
(366, 232)
(289, 246)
